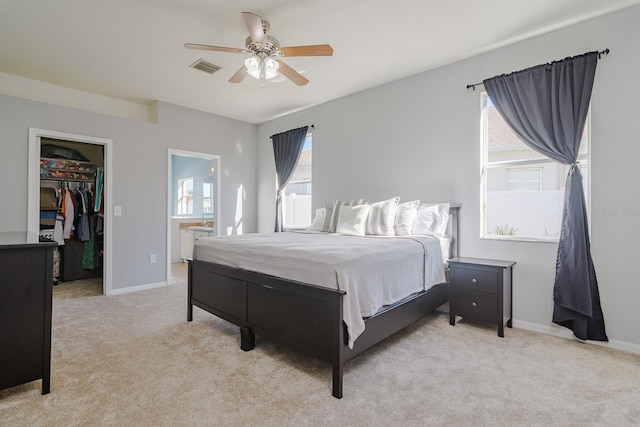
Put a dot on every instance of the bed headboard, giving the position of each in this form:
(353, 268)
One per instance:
(453, 229)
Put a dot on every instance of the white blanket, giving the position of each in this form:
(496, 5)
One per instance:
(374, 271)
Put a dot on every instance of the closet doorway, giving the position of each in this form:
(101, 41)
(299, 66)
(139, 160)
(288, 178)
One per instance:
(80, 167)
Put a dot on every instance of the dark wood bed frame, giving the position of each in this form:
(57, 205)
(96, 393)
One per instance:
(305, 317)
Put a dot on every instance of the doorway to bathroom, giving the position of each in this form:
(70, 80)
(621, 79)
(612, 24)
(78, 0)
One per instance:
(193, 209)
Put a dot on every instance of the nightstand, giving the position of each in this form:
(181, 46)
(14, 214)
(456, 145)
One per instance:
(481, 290)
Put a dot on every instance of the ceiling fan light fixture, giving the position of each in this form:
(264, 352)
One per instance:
(253, 67)
(271, 68)
(262, 49)
(261, 68)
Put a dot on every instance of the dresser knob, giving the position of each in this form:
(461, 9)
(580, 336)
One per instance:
(475, 304)
(474, 281)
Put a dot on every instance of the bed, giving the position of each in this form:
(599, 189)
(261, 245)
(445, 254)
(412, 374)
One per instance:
(309, 308)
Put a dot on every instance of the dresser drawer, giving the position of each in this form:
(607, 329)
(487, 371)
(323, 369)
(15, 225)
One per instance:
(476, 304)
(476, 280)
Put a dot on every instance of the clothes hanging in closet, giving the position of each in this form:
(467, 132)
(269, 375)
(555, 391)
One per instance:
(58, 229)
(89, 255)
(99, 200)
(68, 212)
(83, 204)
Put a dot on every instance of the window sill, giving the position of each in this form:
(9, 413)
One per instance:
(294, 228)
(521, 239)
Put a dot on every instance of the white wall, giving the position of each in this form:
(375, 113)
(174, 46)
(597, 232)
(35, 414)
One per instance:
(420, 138)
(140, 173)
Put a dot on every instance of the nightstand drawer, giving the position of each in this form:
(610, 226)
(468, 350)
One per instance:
(476, 280)
(476, 304)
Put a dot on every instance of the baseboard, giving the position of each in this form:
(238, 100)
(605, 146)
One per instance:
(561, 332)
(138, 288)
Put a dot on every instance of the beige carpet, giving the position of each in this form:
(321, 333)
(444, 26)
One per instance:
(134, 360)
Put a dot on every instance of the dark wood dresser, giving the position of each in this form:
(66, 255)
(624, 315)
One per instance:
(481, 290)
(26, 287)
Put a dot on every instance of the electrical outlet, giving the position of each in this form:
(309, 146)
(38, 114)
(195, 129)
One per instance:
(152, 259)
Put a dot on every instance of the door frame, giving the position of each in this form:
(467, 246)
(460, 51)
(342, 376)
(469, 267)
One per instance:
(33, 197)
(199, 155)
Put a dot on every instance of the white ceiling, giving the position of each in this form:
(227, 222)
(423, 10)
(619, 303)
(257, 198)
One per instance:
(133, 49)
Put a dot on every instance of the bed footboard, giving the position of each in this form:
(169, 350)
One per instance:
(305, 317)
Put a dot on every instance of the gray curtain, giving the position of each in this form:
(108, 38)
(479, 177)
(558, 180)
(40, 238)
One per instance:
(287, 147)
(547, 106)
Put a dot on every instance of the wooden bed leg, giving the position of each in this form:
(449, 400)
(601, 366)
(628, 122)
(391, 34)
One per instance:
(247, 339)
(339, 343)
(337, 380)
(189, 305)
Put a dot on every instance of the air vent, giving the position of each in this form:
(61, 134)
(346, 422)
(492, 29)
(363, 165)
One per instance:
(205, 66)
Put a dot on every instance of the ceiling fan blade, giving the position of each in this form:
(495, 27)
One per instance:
(312, 50)
(214, 48)
(239, 75)
(292, 74)
(254, 25)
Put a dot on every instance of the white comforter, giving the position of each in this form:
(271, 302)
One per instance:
(374, 271)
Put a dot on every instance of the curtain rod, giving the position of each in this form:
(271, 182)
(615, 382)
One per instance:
(311, 126)
(600, 53)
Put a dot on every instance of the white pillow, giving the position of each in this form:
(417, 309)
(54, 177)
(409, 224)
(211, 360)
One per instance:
(431, 218)
(382, 216)
(405, 217)
(318, 219)
(336, 212)
(328, 208)
(352, 220)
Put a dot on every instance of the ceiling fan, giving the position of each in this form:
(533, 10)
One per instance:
(264, 62)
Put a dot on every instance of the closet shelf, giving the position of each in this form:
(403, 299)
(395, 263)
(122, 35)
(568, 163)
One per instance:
(68, 170)
(72, 170)
(65, 180)
(56, 175)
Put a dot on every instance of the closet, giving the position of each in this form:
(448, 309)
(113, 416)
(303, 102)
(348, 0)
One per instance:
(72, 206)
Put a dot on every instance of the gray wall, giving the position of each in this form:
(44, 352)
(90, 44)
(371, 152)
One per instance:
(420, 138)
(140, 173)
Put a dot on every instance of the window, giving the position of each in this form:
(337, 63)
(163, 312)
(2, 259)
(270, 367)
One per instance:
(185, 196)
(207, 198)
(296, 199)
(522, 190)
(194, 185)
